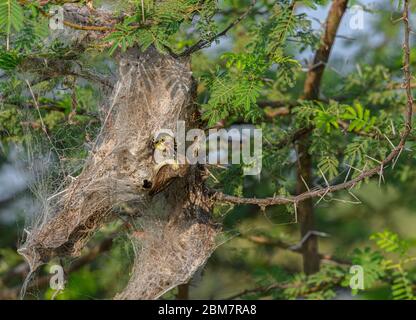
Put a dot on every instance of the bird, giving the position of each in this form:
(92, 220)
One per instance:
(170, 168)
(165, 147)
(165, 174)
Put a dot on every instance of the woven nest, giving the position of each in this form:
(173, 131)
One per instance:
(153, 92)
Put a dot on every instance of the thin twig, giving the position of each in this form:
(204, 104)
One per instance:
(203, 43)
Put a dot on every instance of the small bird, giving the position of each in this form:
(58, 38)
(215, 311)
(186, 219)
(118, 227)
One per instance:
(164, 147)
(165, 174)
(170, 168)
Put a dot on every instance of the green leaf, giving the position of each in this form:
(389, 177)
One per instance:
(9, 60)
(11, 16)
(359, 118)
(329, 166)
(326, 120)
(371, 262)
(402, 286)
(390, 242)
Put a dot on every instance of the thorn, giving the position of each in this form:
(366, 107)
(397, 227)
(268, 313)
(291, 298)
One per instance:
(381, 175)
(295, 204)
(348, 174)
(392, 127)
(397, 158)
(323, 196)
(304, 182)
(354, 196)
(346, 201)
(391, 143)
(326, 181)
(371, 158)
(365, 167)
(397, 20)
(360, 171)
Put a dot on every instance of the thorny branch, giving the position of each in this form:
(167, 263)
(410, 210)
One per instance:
(392, 157)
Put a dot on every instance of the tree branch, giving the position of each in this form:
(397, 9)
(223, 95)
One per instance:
(378, 169)
(314, 76)
(203, 43)
(312, 85)
(261, 240)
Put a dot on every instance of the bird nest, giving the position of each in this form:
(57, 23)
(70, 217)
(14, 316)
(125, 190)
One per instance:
(152, 93)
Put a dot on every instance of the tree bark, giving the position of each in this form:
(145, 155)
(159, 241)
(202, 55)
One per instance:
(183, 292)
(310, 251)
(304, 175)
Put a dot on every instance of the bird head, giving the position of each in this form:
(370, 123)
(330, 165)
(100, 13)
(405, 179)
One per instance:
(159, 144)
(164, 148)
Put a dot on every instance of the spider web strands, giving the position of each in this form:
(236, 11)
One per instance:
(392, 157)
(21, 270)
(40, 116)
(52, 145)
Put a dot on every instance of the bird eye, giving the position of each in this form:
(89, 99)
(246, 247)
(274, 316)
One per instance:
(147, 184)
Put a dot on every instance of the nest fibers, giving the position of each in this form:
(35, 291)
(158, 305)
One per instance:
(153, 92)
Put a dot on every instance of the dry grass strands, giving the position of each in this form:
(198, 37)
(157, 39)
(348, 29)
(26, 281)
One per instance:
(153, 92)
